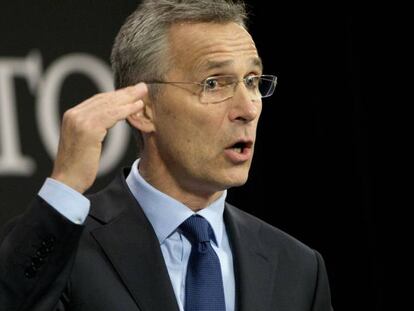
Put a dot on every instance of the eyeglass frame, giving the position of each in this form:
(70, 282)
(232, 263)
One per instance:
(203, 84)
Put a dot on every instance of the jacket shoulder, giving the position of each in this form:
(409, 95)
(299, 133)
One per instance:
(271, 237)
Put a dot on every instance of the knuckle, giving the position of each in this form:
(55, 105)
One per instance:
(82, 125)
(112, 113)
(70, 115)
(84, 128)
(99, 96)
(74, 120)
(102, 99)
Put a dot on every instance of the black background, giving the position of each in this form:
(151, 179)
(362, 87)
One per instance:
(317, 160)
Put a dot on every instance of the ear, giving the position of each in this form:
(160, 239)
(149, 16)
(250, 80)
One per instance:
(143, 120)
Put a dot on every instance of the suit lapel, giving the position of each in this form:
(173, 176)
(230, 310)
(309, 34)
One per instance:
(130, 243)
(253, 270)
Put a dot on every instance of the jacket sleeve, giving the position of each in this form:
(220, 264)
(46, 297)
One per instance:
(37, 250)
(322, 296)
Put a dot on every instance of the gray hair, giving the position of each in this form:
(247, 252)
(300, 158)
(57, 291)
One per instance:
(140, 50)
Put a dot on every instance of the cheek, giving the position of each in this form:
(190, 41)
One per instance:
(192, 123)
(197, 139)
(176, 134)
(206, 134)
(188, 131)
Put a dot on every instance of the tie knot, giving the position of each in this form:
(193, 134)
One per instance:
(196, 229)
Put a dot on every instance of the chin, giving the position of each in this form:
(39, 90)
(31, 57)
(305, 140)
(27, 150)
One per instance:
(236, 180)
(239, 183)
(226, 178)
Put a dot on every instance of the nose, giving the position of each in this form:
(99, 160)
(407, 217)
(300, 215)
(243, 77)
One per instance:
(244, 108)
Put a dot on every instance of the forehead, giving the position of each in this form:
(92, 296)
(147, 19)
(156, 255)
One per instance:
(202, 47)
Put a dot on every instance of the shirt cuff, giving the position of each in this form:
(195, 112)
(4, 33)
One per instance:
(67, 201)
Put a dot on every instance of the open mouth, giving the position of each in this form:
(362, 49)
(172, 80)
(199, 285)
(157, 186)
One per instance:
(239, 152)
(241, 146)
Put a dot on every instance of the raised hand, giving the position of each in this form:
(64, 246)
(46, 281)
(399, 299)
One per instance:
(84, 128)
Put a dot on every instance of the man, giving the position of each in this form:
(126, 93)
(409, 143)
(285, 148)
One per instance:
(131, 246)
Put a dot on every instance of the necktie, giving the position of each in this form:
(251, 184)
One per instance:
(204, 284)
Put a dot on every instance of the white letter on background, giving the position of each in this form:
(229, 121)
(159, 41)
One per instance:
(12, 161)
(48, 118)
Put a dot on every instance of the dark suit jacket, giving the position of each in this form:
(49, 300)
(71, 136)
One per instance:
(114, 262)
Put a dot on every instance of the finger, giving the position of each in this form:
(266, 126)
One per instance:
(130, 109)
(118, 97)
(137, 91)
(130, 93)
(112, 116)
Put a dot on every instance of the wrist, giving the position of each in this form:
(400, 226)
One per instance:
(70, 182)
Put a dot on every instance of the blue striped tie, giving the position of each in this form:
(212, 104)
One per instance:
(204, 283)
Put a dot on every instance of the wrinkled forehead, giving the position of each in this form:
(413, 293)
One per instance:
(207, 47)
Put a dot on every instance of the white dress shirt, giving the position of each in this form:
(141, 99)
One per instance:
(165, 215)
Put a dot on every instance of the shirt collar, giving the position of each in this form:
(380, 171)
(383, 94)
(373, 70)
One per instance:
(166, 214)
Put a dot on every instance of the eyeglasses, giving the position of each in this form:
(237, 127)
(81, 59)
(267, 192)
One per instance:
(220, 88)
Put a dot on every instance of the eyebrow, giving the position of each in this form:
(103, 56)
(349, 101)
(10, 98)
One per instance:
(255, 61)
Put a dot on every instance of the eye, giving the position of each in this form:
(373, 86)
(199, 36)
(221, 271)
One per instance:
(218, 83)
(211, 84)
(252, 82)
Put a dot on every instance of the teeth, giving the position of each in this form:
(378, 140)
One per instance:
(238, 150)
